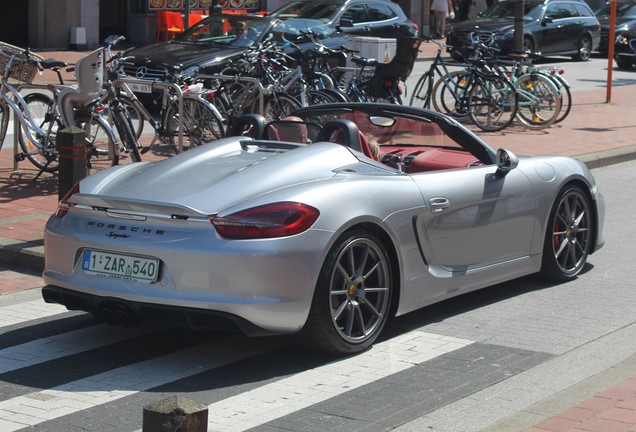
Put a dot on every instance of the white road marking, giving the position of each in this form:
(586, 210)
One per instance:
(304, 389)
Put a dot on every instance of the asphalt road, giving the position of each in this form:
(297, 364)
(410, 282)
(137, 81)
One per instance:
(485, 360)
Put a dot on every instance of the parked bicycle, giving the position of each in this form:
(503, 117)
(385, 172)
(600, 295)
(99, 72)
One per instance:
(196, 120)
(40, 116)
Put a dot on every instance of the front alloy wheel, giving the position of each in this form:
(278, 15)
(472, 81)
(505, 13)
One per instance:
(352, 298)
(569, 236)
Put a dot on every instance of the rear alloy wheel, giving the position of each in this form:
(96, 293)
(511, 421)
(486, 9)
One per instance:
(352, 298)
(569, 235)
(585, 49)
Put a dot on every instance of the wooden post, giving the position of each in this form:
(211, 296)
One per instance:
(175, 413)
(71, 144)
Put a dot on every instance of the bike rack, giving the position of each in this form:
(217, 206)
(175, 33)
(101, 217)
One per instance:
(164, 86)
(261, 89)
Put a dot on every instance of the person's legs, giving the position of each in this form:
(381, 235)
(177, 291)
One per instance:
(440, 19)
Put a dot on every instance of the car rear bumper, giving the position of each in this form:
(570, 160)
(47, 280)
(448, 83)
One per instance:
(129, 313)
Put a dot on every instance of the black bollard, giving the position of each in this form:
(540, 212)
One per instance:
(71, 144)
(175, 413)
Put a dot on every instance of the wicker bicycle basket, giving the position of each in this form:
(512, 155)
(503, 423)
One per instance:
(23, 68)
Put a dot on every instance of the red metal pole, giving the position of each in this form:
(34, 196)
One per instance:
(610, 51)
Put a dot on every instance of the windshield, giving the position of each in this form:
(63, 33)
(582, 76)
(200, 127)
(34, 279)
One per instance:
(238, 30)
(323, 12)
(295, 29)
(506, 9)
(623, 10)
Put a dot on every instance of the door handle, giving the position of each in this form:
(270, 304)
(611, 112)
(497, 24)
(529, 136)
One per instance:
(438, 204)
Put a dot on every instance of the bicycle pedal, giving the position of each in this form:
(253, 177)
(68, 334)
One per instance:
(144, 150)
(19, 157)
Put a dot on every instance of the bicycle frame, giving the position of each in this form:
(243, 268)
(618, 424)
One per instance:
(19, 109)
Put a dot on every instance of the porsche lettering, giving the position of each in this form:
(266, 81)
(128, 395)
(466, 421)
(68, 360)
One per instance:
(132, 229)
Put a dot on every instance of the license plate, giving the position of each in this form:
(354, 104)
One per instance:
(140, 88)
(123, 266)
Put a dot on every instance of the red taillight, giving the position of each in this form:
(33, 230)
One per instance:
(64, 204)
(267, 221)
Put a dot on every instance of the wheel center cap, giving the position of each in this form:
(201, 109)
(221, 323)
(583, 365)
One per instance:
(353, 289)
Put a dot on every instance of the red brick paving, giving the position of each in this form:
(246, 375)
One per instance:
(612, 410)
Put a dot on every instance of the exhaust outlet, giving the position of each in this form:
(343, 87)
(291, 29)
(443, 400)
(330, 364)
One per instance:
(117, 312)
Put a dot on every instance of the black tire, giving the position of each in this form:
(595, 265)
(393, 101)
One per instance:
(4, 121)
(319, 97)
(202, 122)
(492, 104)
(585, 49)
(136, 116)
(569, 235)
(123, 124)
(421, 96)
(336, 94)
(528, 44)
(39, 106)
(452, 102)
(566, 99)
(278, 106)
(101, 151)
(352, 299)
(539, 101)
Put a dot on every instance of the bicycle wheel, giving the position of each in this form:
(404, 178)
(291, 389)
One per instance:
(539, 101)
(135, 115)
(101, 151)
(4, 121)
(421, 96)
(42, 154)
(566, 97)
(449, 95)
(279, 105)
(492, 103)
(129, 142)
(320, 97)
(202, 122)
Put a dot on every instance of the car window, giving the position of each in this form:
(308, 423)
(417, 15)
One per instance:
(582, 10)
(320, 11)
(222, 29)
(623, 10)
(506, 9)
(356, 13)
(295, 29)
(378, 12)
(559, 11)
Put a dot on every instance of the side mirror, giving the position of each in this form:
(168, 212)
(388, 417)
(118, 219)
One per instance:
(506, 160)
(546, 20)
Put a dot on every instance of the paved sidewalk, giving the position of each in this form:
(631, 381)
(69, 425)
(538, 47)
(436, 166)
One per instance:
(595, 132)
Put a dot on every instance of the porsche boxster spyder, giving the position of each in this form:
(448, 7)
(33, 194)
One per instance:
(324, 225)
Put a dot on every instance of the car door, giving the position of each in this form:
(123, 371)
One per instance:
(383, 21)
(556, 28)
(475, 217)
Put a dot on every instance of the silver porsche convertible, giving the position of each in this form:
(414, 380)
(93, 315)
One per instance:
(325, 225)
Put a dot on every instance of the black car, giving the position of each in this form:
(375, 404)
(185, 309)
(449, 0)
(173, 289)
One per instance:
(208, 46)
(551, 27)
(625, 49)
(625, 20)
(376, 18)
